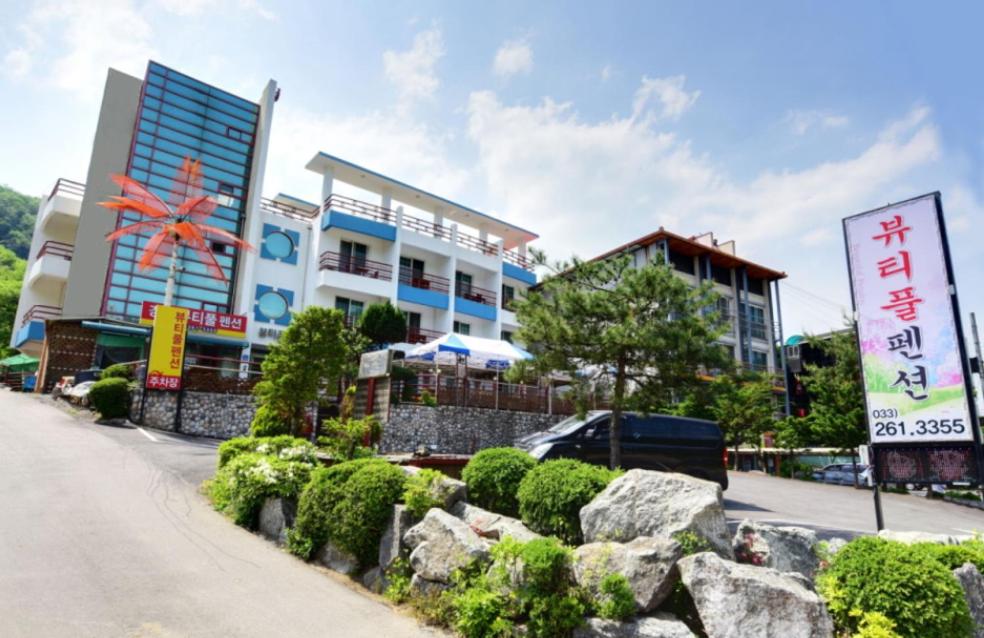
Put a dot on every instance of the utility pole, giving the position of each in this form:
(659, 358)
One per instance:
(980, 371)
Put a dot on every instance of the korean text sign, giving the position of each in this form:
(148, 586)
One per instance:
(911, 358)
(167, 345)
(208, 321)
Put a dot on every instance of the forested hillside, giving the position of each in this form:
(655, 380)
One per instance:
(11, 276)
(17, 213)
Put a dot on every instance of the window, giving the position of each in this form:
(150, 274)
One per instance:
(413, 320)
(758, 319)
(756, 286)
(724, 308)
(721, 275)
(218, 247)
(462, 283)
(507, 336)
(462, 328)
(352, 256)
(508, 294)
(273, 305)
(226, 196)
(278, 245)
(760, 360)
(351, 308)
(683, 263)
(413, 267)
(234, 133)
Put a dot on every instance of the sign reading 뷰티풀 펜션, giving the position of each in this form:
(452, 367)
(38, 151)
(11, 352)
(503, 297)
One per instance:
(912, 359)
(167, 345)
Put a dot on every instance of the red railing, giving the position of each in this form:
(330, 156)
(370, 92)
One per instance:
(419, 335)
(484, 393)
(514, 257)
(424, 281)
(67, 187)
(356, 266)
(427, 228)
(295, 212)
(360, 208)
(40, 312)
(482, 246)
(474, 293)
(56, 249)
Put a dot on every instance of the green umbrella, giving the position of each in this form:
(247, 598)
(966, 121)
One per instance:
(19, 363)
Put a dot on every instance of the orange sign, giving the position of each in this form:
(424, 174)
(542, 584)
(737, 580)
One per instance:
(167, 344)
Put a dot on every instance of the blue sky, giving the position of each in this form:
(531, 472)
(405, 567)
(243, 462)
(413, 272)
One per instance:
(592, 125)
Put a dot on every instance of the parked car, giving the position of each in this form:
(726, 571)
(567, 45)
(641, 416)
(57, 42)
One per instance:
(79, 393)
(649, 441)
(842, 474)
(63, 385)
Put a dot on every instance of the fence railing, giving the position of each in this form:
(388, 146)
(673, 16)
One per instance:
(56, 249)
(486, 393)
(356, 266)
(424, 281)
(477, 244)
(67, 187)
(474, 293)
(219, 374)
(294, 212)
(40, 312)
(514, 257)
(425, 227)
(359, 208)
(419, 335)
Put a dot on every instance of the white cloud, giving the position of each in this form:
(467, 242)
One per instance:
(668, 92)
(606, 72)
(17, 62)
(514, 56)
(191, 8)
(801, 121)
(412, 72)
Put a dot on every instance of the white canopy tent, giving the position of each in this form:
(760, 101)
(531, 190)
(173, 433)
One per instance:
(485, 354)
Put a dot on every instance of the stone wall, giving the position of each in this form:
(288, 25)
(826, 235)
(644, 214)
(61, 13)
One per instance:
(212, 414)
(457, 430)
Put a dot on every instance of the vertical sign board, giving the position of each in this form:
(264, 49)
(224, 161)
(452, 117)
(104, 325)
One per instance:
(167, 345)
(922, 425)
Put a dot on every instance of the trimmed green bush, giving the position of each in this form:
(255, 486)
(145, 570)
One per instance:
(284, 447)
(493, 477)
(480, 613)
(117, 371)
(110, 397)
(268, 421)
(359, 518)
(954, 556)
(241, 486)
(319, 498)
(552, 494)
(615, 598)
(419, 495)
(875, 625)
(904, 583)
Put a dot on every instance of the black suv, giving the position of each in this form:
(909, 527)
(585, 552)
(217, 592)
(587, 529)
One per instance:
(649, 442)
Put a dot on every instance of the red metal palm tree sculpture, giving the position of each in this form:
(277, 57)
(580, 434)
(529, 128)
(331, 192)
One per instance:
(178, 222)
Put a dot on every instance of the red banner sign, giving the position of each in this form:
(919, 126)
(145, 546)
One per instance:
(219, 323)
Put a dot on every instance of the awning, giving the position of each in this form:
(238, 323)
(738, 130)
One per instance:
(491, 354)
(19, 363)
(193, 337)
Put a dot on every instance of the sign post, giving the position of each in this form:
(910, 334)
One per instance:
(922, 423)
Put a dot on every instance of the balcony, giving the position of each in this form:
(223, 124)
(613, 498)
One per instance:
(423, 288)
(475, 301)
(286, 210)
(40, 312)
(51, 263)
(419, 335)
(355, 274)
(758, 329)
(61, 209)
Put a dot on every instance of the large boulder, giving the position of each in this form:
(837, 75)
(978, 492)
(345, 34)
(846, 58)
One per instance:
(423, 587)
(923, 537)
(786, 549)
(738, 601)
(491, 525)
(648, 563)
(447, 490)
(337, 559)
(973, 585)
(646, 503)
(391, 545)
(442, 544)
(276, 516)
(656, 626)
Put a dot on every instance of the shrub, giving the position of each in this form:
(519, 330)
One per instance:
(552, 494)
(875, 625)
(359, 518)
(284, 447)
(954, 556)
(268, 421)
(904, 583)
(242, 485)
(398, 579)
(428, 399)
(110, 397)
(420, 494)
(117, 371)
(963, 495)
(615, 600)
(493, 477)
(480, 613)
(314, 508)
(691, 542)
(344, 438)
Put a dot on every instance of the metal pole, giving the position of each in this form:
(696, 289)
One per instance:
(782, 349)
(980, 376)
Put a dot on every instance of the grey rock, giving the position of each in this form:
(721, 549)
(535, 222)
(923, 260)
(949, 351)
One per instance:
(647, 503)
(923, 537)
(442, 544)
(741, 601)
(835, 544)
(276, 516)
(420, 586)
(449, 491)
(648, 563)
(491, 525)
(391, 546)
(656, 626)
(973, 586)
(786, 549)
(337, 559)
(375, 580)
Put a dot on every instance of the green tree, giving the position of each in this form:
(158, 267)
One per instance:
(644, 330)
(743, 407)
(17, 213)
(11, 279)
(383, 323)
(307, 361)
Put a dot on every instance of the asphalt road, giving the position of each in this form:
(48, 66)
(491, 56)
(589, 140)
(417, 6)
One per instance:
(104, 534)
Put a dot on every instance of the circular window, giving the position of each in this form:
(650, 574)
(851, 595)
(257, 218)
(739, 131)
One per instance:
(279, 245)
(272, 305)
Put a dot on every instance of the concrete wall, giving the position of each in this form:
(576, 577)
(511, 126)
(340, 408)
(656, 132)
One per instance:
(110, 154)
(457, 430)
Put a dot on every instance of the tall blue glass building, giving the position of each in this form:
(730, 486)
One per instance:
(180, 117)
